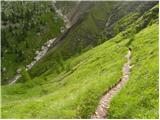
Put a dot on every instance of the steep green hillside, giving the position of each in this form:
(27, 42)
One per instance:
(135, 98)
(139, 98)
(71, 79)
(102, 21)
(75, 92)
(26, 26)
(66, 95)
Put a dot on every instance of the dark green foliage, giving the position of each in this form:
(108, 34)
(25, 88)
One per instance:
(60, 60)
(26, 26)
(123, 23)
(93, 29)
(25, 75)
(70, 85)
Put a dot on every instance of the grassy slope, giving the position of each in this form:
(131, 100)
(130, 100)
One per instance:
(71, 44)
(139, 98)
(47, 96)
(90, 32)
(88, 77)
(90, 74)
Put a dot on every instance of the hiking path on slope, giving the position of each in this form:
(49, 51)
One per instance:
(102, 109)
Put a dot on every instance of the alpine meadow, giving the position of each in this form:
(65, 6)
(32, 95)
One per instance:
(80, 59)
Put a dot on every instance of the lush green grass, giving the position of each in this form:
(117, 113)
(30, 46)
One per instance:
(75, 92)
(72, 88)
(92, 31)
(126, 21)
(75, 95)
(139, 98)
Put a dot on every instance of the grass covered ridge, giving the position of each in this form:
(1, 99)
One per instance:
(66, 95)
(139, 98)
(76, 91)
(102, 21)
(72, 88)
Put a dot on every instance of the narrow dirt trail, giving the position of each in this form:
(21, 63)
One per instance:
(102, 109)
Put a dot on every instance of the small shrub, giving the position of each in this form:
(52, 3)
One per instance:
(25, 75)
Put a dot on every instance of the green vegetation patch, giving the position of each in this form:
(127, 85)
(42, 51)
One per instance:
(139, 98)
(26, 26)
(74, 93)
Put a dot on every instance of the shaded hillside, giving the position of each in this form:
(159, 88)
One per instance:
(101, 21)
(26, 26)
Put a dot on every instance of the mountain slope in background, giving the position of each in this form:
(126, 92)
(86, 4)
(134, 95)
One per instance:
(96, 22)
(26, 26)
(100, 22)
(71, 87)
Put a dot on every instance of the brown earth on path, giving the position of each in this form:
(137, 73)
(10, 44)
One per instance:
(102, 109)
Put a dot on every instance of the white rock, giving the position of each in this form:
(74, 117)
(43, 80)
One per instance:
(19, 70)
(4, 69)
(42, 47)
(48, 45)
(37, 52)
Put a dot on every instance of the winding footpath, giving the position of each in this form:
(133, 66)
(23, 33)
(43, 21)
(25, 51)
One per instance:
(102, 109)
